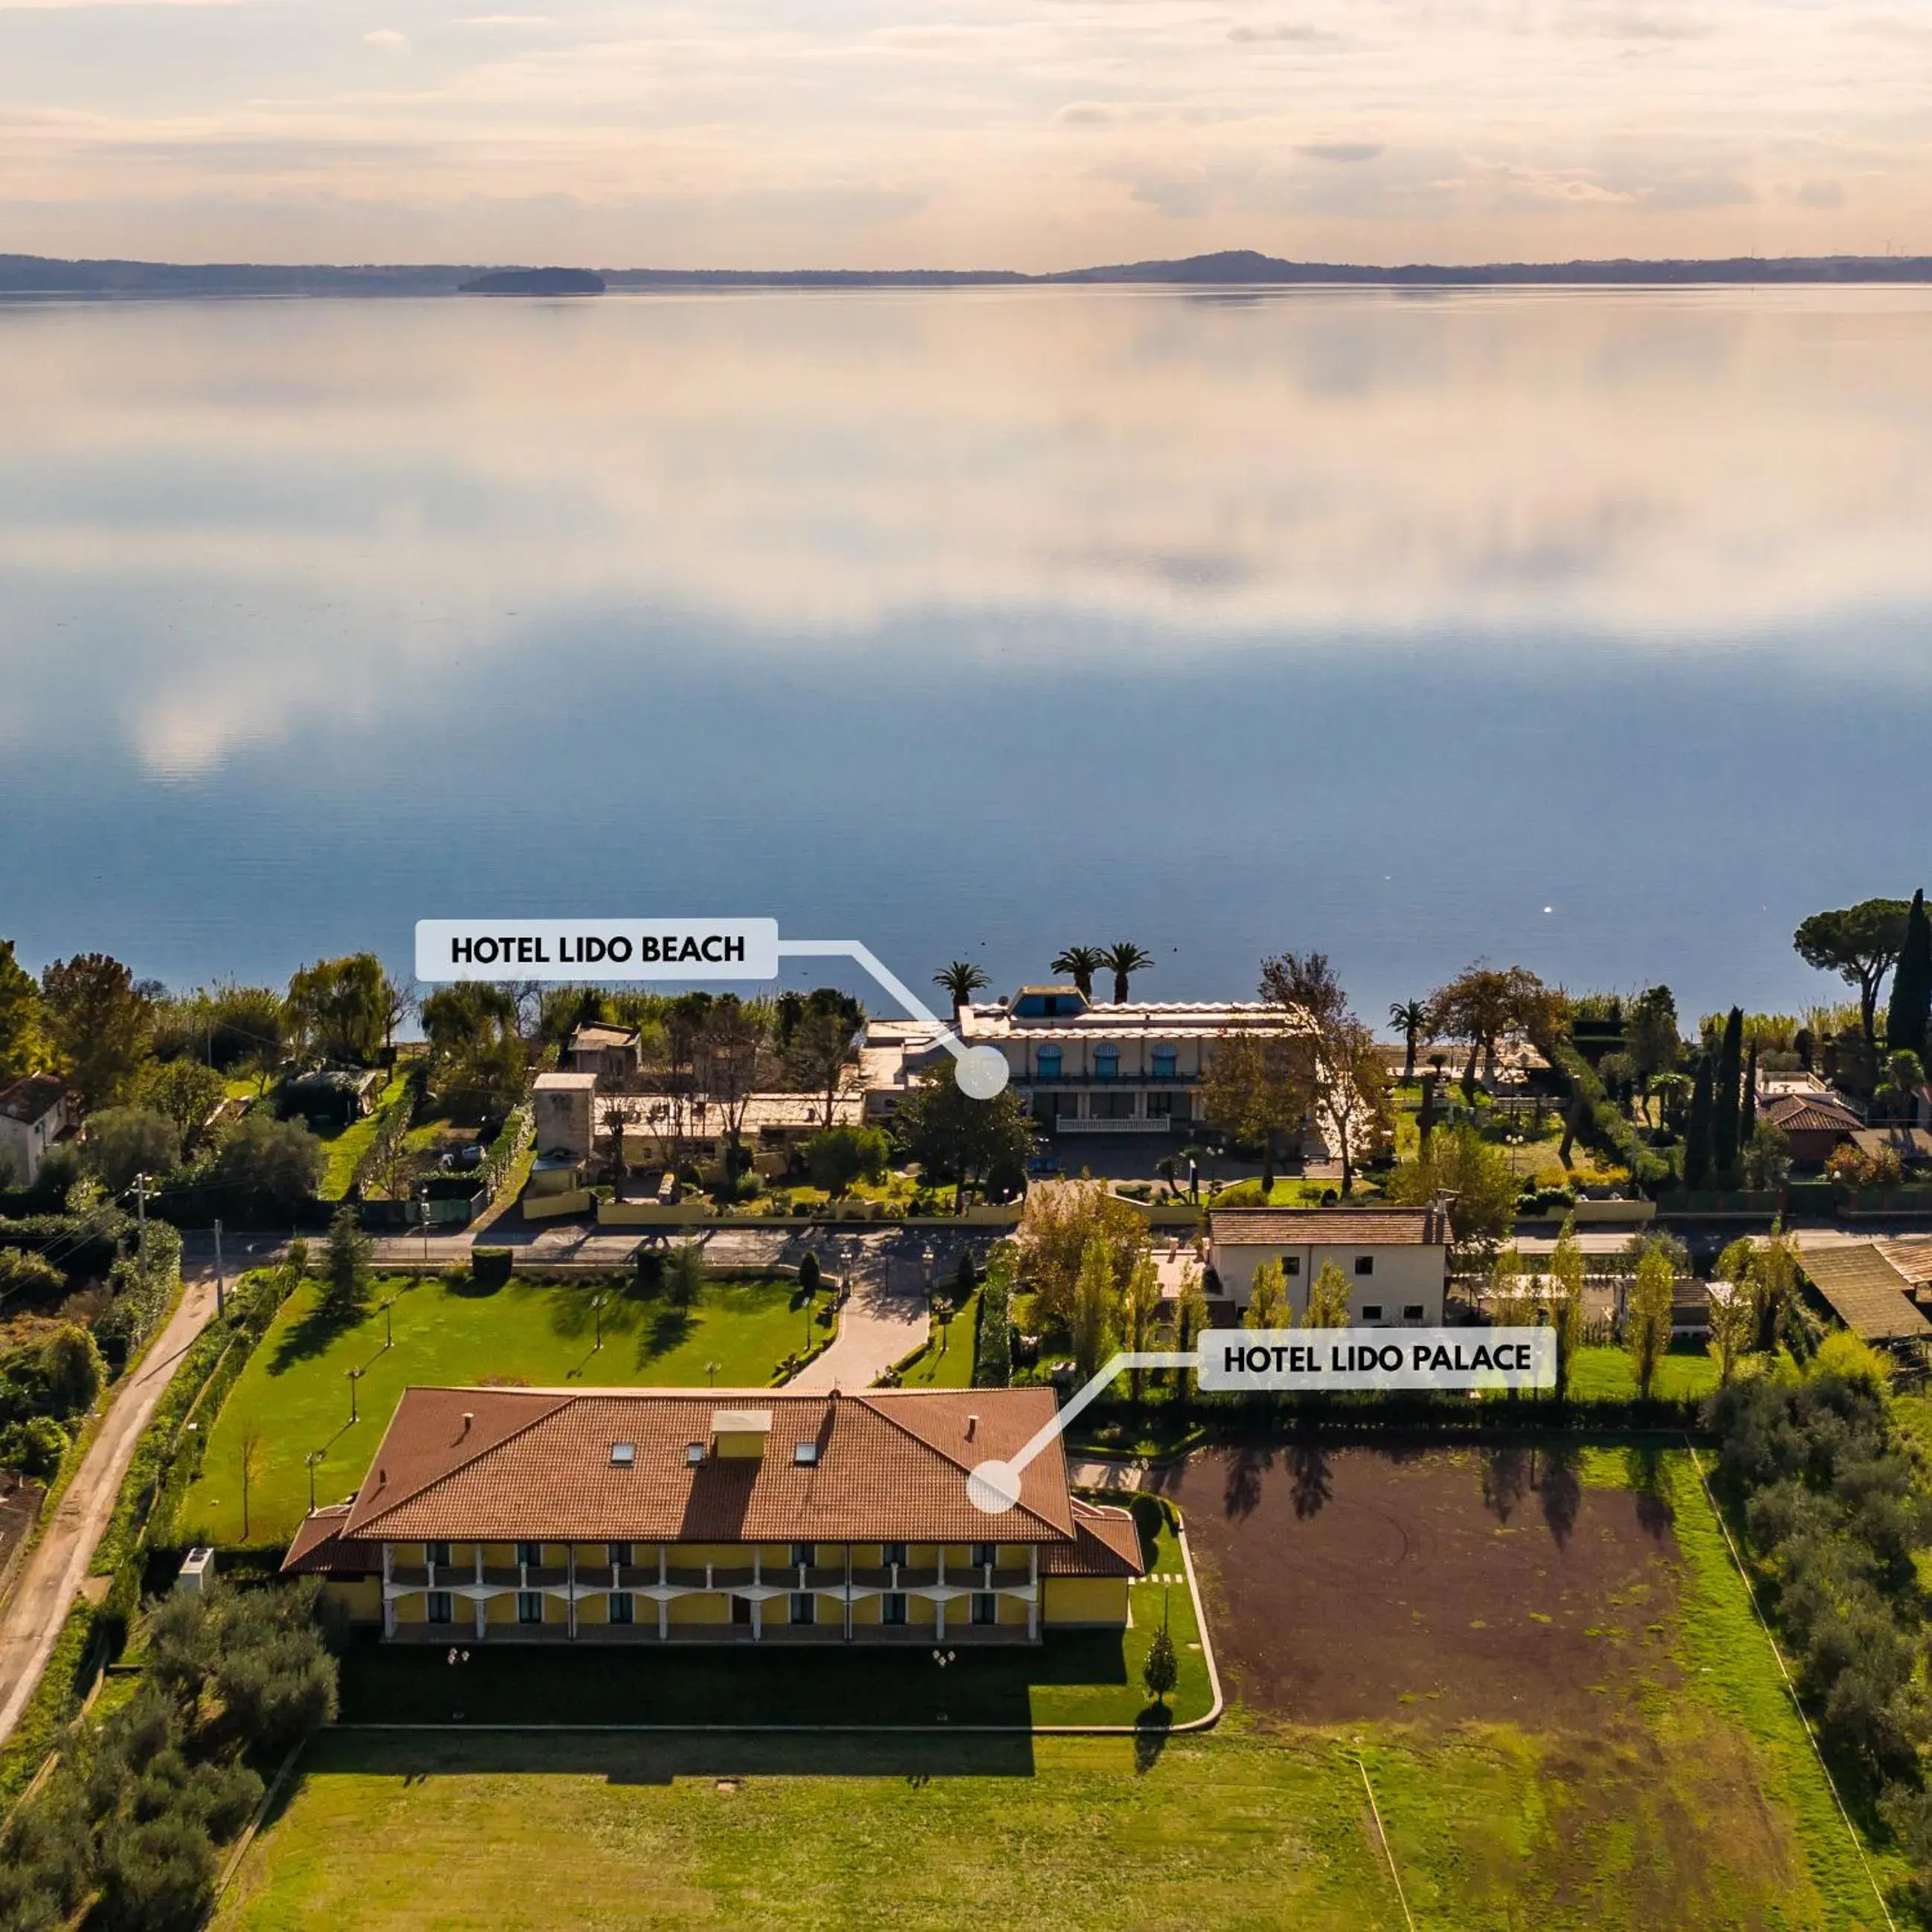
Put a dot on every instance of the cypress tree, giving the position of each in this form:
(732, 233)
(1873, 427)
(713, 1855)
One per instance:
(1909, 1015)
(1748, 1113)
(1697, 1128)
(1724, 1093)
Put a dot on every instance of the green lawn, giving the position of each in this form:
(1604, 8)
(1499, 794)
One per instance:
(346, 1147)
(540, 1333)
(516, 1832)
(1694, 1801)
(1688, 1372)
(954, 1368)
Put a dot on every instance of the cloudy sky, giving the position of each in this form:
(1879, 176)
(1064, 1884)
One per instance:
(962, 133)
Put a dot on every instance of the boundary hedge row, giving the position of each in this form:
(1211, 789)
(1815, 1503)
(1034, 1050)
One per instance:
(1603, 1125)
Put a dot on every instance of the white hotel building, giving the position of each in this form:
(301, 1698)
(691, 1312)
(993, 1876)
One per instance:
(1085, 1067)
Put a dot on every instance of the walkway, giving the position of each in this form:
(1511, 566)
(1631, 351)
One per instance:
(54, 1572)
(884, 1320)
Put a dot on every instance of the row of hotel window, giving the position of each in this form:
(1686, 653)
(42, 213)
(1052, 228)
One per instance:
(442, 1607)
(1106, 1064)
(891, 1555)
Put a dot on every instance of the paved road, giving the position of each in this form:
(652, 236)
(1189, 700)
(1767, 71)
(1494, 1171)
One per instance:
(39, 1606)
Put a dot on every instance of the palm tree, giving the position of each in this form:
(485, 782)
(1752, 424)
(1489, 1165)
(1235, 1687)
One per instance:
(961, 981)
(1083, 962)
(1122, 960)
(1410, 1017)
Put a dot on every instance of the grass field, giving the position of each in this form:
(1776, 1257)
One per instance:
(1687, 1372)
(952, 1369)
(347, 1146)
(540, 1333)
(1676, 1790)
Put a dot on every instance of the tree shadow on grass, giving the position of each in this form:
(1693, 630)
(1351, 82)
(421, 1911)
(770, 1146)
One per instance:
(313, 1335)
(1152, 1729)
(646, 1758)
(669, 1329)
(1643, 1468)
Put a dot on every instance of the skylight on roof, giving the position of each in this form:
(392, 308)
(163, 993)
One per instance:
(623, 1454)
(806, 1453)
(694, 1453)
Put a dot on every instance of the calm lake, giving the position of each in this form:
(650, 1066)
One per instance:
(1589, 630)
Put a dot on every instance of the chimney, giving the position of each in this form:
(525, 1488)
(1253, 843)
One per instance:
(972, 1427)
(382, 1476)
(468, 1417)
(740, 1432)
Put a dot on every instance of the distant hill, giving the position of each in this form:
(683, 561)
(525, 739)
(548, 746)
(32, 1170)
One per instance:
(26, 275)
(534, 282)
(1243, 266)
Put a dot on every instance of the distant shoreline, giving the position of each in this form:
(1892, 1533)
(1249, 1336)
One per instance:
(36, 275)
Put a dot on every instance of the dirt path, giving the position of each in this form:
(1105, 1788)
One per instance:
(39, 1606)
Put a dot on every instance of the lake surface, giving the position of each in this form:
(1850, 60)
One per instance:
(1589, 630)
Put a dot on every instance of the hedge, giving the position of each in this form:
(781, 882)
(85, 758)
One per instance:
(490, 1267)
(1603, 1125)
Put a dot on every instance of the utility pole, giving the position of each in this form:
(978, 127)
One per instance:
(141, 1210)
(220, 1288)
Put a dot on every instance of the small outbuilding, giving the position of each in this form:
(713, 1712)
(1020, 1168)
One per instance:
(1396, 1260)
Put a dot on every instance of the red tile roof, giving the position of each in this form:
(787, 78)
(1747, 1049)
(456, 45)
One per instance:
(535, 1464)
(1328, 1227)
(1105, 1543)
(320, 1549)
(1806, 1113)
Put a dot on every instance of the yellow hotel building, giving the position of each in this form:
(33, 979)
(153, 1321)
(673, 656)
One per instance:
(662, 1516)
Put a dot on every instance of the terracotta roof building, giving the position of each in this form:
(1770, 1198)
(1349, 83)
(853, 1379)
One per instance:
(668, 1514)
(1813, 1124)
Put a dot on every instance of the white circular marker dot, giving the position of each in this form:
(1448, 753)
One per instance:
(993, 1488)
(982, 1072)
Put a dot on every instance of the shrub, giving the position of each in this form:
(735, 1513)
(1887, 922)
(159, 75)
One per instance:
(490, 1267)
(839, 1156)
(810, 1274)
(269, 1167)
(155, 1876)
(74, 1371)
(34, 1447)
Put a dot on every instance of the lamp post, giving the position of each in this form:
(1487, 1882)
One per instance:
(388, 1325)
(597, 1302)
(313, 1457)
(422, 1208)
(354, 1375)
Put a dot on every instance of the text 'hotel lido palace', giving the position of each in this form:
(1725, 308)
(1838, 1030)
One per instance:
(660, 1515)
